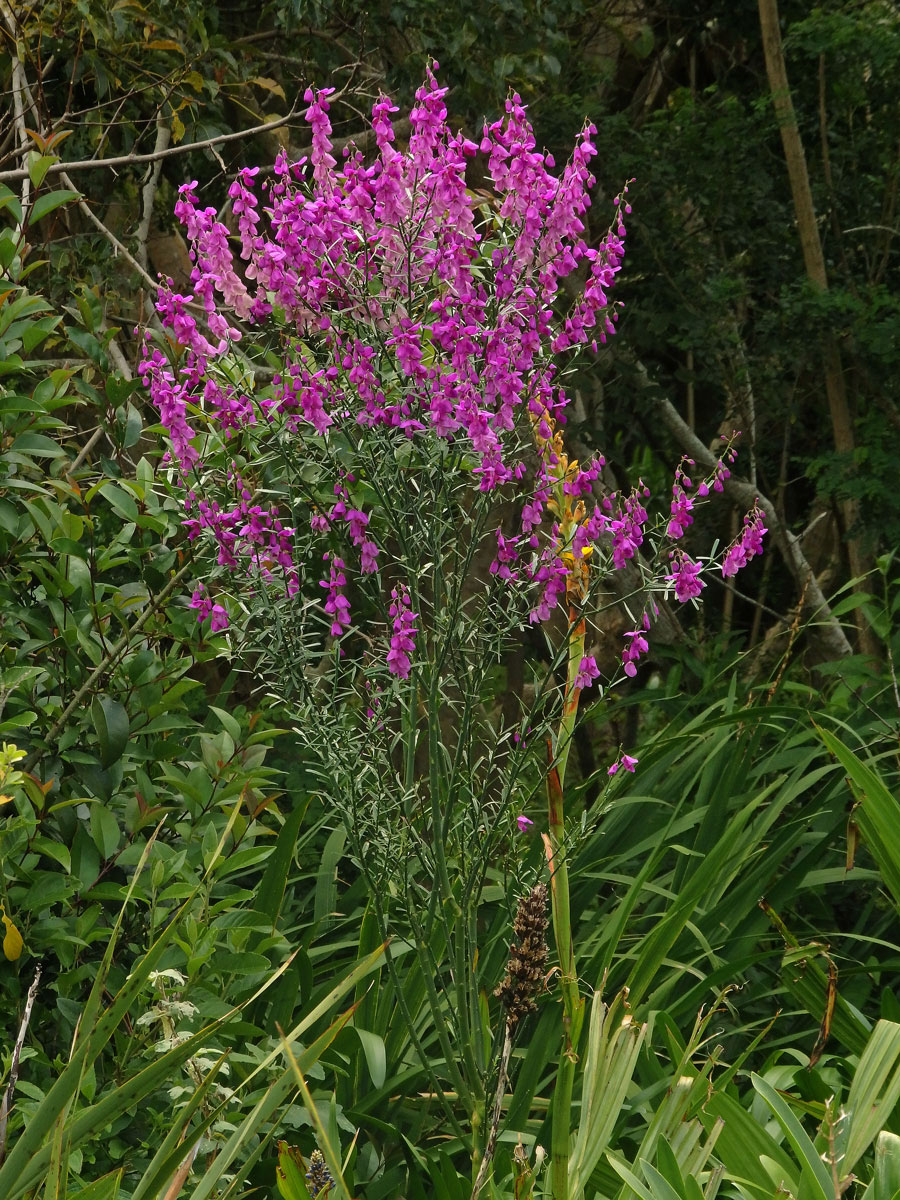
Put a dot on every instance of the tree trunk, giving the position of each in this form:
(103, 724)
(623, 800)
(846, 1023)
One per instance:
(814, 262)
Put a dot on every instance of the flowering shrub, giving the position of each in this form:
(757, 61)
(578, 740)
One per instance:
(368, 403)
(403, 303)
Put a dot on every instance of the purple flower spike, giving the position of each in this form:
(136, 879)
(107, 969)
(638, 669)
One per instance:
(403, 641)
(337, 605)
(637, 646)
(747, 545)
(685, 578)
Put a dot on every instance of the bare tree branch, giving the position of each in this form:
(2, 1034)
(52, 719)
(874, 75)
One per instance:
(6, 1105)
(133, 160)
(116, 354)
(86, 449)
(148, 193)
(20, 94)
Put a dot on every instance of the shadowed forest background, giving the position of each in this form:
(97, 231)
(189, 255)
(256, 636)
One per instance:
(749, 872)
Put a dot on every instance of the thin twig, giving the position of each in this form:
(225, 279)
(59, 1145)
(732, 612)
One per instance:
(20, 94)
(116, 353)
(86, 449)
(6, 1104)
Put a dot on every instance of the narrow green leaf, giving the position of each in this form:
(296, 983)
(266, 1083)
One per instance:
(106, 1188)
(326, 877)
(744, 1144)
(816, 1173)
(271, 889)
(330, 1151)
(38, 166)
(121, 500)
(660, 1186)
(265, 1109)
(11, 201)
(173, 1149)
(874, 1092)
(376, 1059)
(887, 1166)
(877, 812)
(105, 831)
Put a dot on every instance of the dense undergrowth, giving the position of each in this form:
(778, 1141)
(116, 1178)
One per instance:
(197, 990)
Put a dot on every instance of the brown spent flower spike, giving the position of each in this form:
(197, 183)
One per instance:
(527, 957)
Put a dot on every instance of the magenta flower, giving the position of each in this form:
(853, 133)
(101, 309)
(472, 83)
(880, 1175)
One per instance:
(636, 646)
(685, 577)
(749, 544)
(524, 823)
(588, 671)
(337, 605)
(624, 760)
(507, 552)
(553, 574)
(399, 319)
(682, 505)
(218, 619)
(368, 557)
(202, 602)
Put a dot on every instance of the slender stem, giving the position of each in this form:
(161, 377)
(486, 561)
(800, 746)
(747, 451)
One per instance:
(443, 1033)
(496, 1112)
(409, 1017)
(573, 1006)
(577, 633)
(6, 1104)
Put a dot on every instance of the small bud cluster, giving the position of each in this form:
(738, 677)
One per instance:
(318, 1177)
(527, 956)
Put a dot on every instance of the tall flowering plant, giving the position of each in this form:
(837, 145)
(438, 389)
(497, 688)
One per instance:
(365, 402)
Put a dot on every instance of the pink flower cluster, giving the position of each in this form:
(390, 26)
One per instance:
(747, 545)
(403, 640)
(636, 645)
(337, 606)
(682, 504)
(245, 531)
(401, 302)
(587, 672)
(202, 602)
(685, 577)
(624, 761)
